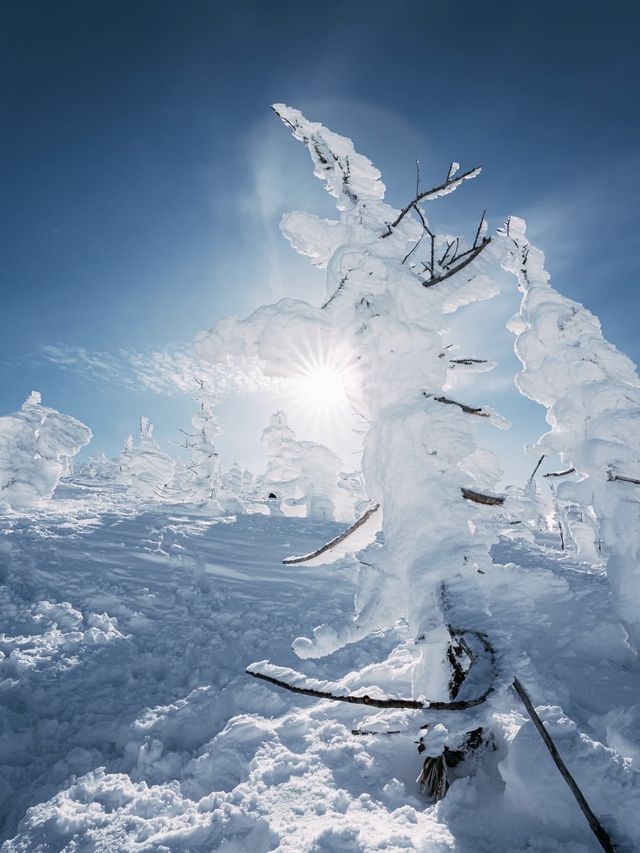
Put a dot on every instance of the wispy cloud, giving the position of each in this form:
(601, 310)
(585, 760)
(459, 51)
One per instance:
(167, 371)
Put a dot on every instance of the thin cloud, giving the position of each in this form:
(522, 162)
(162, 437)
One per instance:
(167, 371)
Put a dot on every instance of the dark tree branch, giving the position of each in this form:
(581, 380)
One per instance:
(468, 361)
(471, 256)
(535, 470)
(388, 702)
(619, 478)
(468, 410)
(560, 473)
(450, 184)
(595, 825)
(480, 498)
(477, 237)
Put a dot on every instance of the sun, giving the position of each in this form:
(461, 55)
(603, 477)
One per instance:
(321, 386)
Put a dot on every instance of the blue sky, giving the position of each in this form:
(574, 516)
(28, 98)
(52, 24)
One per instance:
(144, 175)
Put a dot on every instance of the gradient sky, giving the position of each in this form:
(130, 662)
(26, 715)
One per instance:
(144, 177)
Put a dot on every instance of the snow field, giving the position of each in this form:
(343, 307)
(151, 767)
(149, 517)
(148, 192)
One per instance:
(129, 724)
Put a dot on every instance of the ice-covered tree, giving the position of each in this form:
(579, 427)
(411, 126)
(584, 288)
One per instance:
(300, 473)
(100, 467)
(145, 469)
(592, 395)
(390, 279)
(37, 445)
(232, 480)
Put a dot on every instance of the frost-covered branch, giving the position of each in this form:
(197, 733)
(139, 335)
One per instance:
(450, 185)
(290, 561)
(295, 682)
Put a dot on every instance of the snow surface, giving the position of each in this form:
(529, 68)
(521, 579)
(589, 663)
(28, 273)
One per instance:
(128, 722)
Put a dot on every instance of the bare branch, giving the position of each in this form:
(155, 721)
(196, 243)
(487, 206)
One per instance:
(595, 825)
(477, 237)
(535, 470)
(468, 410)
(448, 186)
(560, 473)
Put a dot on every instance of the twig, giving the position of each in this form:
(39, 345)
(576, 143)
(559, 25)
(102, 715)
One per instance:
(472, 256)
(475, 241)
(451, 184)
(289, 561)
(468, 410)
(535, 470)
(560, 473)
(596, 827)
(468, 361)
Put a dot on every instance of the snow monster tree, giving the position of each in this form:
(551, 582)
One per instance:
(592, 395)
(390, 279)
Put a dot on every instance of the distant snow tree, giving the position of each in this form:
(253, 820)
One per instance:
(300, 473)
(248, 484)
(100, 467)
(145, 469)
(232, 480)
(37, 445)
(198, 479)
(592, 395)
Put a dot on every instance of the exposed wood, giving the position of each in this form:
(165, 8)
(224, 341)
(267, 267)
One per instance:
(450, 184)
(479, 498)
(595, 825)
(468, 410)
(289, 561)
(560, 473)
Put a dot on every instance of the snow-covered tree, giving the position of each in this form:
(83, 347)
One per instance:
(37, 445)
(592, 395)
(299, 473)
(390, 279)
(232, 480)
(145, 469)
(100, 467)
